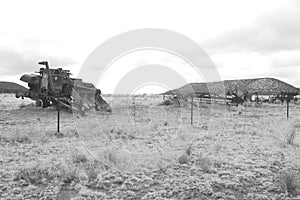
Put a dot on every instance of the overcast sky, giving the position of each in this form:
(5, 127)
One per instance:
(245, 39)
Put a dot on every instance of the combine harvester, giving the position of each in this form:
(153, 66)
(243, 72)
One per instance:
(55, 87)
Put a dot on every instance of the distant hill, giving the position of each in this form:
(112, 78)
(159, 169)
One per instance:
(263, 86)
(9, 87)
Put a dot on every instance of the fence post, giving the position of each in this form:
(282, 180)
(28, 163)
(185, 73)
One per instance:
(192, 110)
(58, 113)
(134, 109)
(245, 109)
(287, 108)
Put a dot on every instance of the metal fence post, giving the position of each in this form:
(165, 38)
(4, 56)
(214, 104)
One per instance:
(287, 109)
(58, 113)
(134, 109)
(192, 110)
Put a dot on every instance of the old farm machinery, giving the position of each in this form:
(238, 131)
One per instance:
(55, 87)
(235, 92)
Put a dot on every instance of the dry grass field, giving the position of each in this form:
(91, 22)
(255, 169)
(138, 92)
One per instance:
(242, 153)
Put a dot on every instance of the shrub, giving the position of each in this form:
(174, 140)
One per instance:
(36, 173)
(66, 173)
(289, 181)
(287, 132)
(290, 136)
(18, 137)
(110, 155)
(162, 167)
(43, 138)
(78, 156)
(204, 163)
(91, 171)
(184, 158)
(23, 138)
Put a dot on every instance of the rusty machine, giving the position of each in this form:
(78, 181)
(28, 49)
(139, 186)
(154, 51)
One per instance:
(55, 87)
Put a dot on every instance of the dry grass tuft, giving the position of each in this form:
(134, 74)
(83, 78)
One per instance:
(91, 171)
(17, 137)
(289, 181)
(204, 162)
(21, 138)
(162, 166)
(111, 156)
(288, 134)
(184, 158)
(186, 155)
(78, 156)
(36, 173)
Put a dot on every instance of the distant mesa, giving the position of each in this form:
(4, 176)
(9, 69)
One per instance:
(261, 86)
(10, 87)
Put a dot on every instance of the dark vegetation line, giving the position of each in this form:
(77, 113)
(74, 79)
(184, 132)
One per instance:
(10, 87)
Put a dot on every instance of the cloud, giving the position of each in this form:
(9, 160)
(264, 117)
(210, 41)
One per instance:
(37, 42)
(287, 75)
(272, 32)
(285, 59)
(14, 62)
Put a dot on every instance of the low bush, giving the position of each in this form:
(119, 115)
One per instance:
(204, 162)
(288, 134)
(36, 173)
(289, 181)
(78, 156)
(18, 137)
(111, 156)
(91, 171)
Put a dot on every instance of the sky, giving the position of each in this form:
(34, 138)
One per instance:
(244, 39)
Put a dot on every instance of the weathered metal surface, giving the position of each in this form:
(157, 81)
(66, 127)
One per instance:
(74, 94)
